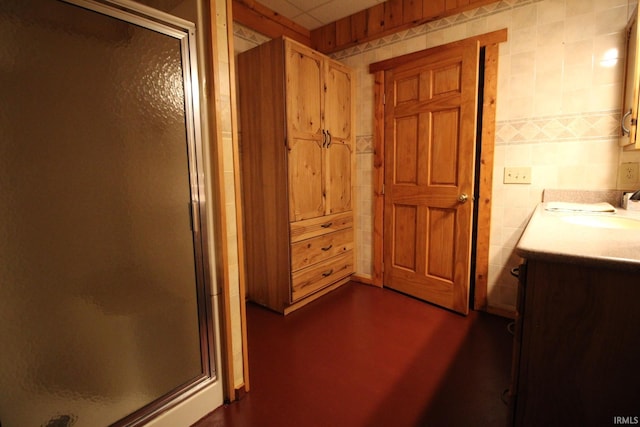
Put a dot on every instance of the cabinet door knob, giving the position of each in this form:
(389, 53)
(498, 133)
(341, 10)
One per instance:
(327, 225)
(327, 273)
(326, 248)
(463, 198)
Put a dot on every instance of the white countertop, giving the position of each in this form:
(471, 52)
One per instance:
(564, 237)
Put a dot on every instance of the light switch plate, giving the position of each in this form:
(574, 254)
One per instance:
(517, 175)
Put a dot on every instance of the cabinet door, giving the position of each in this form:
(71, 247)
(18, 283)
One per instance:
(337, 106)
(304, 91)
(306, 184)
(337, 116)
(304, 98)
(338, 177)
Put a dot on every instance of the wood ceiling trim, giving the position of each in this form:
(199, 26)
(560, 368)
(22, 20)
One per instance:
(384, 19)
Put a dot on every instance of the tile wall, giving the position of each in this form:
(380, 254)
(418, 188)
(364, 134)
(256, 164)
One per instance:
(560, 80)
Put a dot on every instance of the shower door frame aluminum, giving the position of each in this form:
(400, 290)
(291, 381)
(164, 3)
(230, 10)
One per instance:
(185, 32)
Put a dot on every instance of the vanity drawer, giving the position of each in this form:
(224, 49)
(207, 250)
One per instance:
(302, 230)
(311, 251)
(311, 279)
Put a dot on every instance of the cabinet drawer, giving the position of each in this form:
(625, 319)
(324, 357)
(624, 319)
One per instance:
(311, 251)
(311, 279)
(302, 230)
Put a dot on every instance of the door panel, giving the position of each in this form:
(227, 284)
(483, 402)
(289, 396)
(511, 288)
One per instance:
(338, 101)
(443, 159)
(405, 232)
(430, 123)
(304, 92)
(306, 186)
(338, 180)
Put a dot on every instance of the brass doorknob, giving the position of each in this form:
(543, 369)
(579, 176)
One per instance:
(463, 198)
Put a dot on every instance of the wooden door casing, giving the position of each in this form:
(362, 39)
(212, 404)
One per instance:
(430, 127)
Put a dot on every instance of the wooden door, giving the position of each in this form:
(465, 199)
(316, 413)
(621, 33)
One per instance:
(305, 139)
(339, 137)
(430, 128)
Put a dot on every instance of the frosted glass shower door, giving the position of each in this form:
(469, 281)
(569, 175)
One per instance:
(103, 293)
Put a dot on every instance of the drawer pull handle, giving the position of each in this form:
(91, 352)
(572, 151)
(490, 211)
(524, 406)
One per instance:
(327, 225)
(326, 248)
(327, 273)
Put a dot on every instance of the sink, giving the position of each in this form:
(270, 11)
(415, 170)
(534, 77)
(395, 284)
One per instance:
(618, 222)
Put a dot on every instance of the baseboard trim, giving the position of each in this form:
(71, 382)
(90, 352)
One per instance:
(365, 279)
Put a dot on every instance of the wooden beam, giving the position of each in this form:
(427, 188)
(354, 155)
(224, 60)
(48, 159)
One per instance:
(260, 18)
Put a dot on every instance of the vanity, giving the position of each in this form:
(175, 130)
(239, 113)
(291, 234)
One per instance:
(576, 358)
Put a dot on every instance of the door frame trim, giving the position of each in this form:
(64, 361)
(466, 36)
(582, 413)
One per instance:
(490, 42)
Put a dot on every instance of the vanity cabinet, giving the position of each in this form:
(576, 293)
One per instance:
(577, 344)
(297, 163)
(631, 87)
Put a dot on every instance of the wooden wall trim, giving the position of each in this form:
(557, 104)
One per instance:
(216, 158)
(238, 198)
(484, 196)
(260, 18)
(378, 184)
(384, 19)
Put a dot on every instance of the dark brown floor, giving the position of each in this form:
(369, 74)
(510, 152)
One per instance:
(363, 356)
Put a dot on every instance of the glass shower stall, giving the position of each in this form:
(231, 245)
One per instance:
(105, 291)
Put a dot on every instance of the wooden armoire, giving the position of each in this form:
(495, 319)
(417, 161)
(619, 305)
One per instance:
(297, 155)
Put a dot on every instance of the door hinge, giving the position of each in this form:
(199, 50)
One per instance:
(382, 190)
(384, 99)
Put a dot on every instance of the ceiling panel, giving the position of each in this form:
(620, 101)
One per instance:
(312, 14)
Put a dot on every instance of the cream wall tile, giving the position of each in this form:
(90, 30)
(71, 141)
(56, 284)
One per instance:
(500, 20)
(523, 40)
(551, 11)
(524, 17)
(550, 59)
(548, 93)
(477, 26)
(523, 63)
(579, 7)
(580, 28)
(574, 101)
(518, 155)
(611, 20)
(550, 35)
(579, 52)
(606, 97)
(577, 77)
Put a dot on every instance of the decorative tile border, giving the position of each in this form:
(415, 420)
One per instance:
(364, 144)
(440, 24)
(565, 128)
(248, 34)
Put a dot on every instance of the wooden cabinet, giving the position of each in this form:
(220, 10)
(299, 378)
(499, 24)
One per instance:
(577, 345)
(297, 161)
(630, 96)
